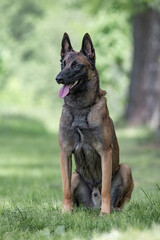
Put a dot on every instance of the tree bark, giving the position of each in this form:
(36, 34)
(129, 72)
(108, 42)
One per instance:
(144, 92)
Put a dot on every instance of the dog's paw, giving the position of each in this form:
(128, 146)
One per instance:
(102, 214)
(117, 209)
(105, 209)
(67, 208)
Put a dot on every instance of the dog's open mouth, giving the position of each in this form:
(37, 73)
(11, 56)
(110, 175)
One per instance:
(66, 88)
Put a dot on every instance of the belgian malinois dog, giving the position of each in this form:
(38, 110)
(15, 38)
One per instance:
(87, 132)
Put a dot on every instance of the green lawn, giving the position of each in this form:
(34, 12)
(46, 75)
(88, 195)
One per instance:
(31, 193)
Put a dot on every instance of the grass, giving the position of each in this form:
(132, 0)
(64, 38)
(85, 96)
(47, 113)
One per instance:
(31, 192)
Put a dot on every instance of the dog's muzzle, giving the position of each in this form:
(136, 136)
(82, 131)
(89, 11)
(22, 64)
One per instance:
(59, 78)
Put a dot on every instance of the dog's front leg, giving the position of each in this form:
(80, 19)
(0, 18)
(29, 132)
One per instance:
(106, 163)
(66, 171)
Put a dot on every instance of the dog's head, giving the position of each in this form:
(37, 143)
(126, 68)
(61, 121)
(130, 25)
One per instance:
(75, 66)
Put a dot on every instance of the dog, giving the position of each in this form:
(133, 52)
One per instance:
(87, 132)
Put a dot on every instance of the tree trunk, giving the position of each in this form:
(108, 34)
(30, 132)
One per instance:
(144, 91)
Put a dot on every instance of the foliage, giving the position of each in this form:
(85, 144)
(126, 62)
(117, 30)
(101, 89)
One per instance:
(132, 7)
(112, 38)
(30, 45)
(30, 41)
(31, 191)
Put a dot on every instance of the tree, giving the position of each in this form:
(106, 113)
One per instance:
(143, 105)
(144, 91)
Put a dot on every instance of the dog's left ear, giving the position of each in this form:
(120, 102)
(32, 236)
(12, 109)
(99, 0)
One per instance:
(88, 49)
(66, 45)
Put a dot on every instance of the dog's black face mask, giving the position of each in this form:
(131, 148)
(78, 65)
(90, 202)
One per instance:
(74, 66)
(73, 75)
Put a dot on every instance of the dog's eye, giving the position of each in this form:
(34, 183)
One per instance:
(73, 64)
(63, 64)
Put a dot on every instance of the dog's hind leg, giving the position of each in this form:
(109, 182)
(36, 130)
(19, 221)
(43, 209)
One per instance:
(81, 193)
(122, 187)
(75, 181)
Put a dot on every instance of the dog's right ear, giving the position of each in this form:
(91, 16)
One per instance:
(66, 45)
(88, 49)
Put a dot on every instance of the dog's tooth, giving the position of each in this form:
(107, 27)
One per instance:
(74, 84)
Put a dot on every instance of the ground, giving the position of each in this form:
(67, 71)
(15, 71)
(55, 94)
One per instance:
(31, 191)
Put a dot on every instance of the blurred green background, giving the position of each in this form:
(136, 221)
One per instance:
(30, 42)
(30, 181)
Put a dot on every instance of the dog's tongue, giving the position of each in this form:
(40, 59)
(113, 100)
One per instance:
(64, 91)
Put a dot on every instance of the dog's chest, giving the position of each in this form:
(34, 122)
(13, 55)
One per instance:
(84, 138)
(82, 131)
(76, 128)
(81, 134)
(79, 121)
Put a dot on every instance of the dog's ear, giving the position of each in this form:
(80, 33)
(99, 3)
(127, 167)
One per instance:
(66, 45)
(88, 49)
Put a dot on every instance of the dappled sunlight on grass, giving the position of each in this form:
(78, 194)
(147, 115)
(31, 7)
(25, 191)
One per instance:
(37, 172)
(134, 132)
(31, 188)
(139, 148)
(33, 119)
(131, 234)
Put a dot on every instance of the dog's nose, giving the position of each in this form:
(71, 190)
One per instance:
(59, 78)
